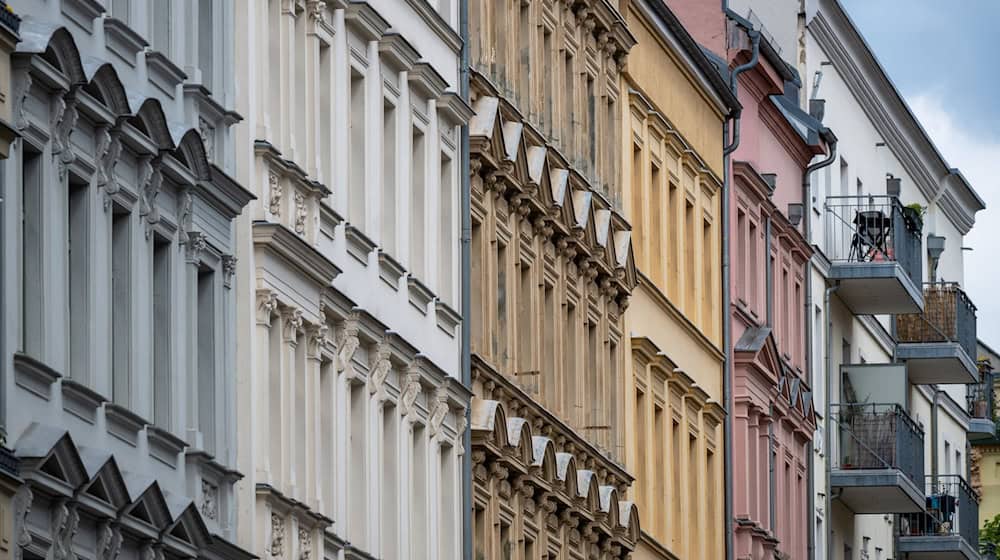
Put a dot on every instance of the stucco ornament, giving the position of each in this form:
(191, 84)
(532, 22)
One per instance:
(22, 506)
(439, 410)
(277, 535)
(292, 325)
(381, 369)
(347, 343)
(317, 11)
(150, 183)
(21, 99)
(300, 213)
(65, 521)
(186, 221)
(460, 425)
(410, 391)
(274, 196)
(196, 243)
(316, 340)
(109, 543)
(109, 150)
(305, 544)
(207, 133)
(63, 123)
(209, 500)
(267, 305)
(228, 269)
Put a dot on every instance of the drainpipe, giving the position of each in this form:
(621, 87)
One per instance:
(935, 409)
(466, 287)
(828, 432)
(727, 386)
(808, 320)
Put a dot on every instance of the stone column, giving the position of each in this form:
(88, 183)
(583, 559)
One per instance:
(267, 306)
(290, 371)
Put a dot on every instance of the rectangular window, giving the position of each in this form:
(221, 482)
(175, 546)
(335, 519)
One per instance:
(569, 114)
(752, 292)
(447, 497)
(550, 310)
(418, 490)
(594, 419)
(691, 288)
(656, 225)
(478, 322)
(206, 48)
(206, 357)
(547, 97)
(326, 125)
(358, 474)
(741, 257)
(673, 240)
(694, 499)
(524, 64)
(844, 177)
(388, 218)
(506, 546)
(120, 9)
(642, 477)
(121, 306)
(479, 531)
(447, 228)
(707, 278)
(356, 163)
(418, 208)
(160, 26)
(658, 472)
(500, 336)
(526, 330)
(162, 323)
(638, 208)
(676, 487)
(390, 483)
(328, 429)
(569, 374)
(31, 255)
(78, 279)
(591, 127)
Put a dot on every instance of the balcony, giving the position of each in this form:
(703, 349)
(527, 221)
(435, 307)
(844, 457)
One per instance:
(948, 529)
(874, 252)
(939, 343)
(980, 404)
(880, 459)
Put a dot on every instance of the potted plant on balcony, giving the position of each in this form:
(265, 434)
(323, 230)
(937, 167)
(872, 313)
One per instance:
(913, 214)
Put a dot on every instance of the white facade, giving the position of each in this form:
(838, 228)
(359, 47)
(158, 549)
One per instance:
(348, 279)
(118, 299)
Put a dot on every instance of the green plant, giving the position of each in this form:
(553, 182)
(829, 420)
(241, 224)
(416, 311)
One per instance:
(917, 209)
(989, 533)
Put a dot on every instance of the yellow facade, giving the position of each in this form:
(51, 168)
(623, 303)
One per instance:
(672, 192)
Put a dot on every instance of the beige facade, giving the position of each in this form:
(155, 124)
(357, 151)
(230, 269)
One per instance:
(552, 272)
(672, 164)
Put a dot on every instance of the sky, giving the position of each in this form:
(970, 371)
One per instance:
(940, 56)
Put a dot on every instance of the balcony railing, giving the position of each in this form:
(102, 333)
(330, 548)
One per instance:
(872, 229)
(952, 509)
(879, 436)
(980, 395)
(948, 316)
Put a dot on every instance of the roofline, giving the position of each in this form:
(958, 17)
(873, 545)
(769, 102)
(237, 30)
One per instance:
(691, 48)
(946, 168)
(785, 70)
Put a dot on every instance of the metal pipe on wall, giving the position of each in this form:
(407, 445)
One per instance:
(465, 360)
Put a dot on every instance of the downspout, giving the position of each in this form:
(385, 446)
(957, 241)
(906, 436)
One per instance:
(769, 322)
(466, 287)
(808, 320)
(935, 410)
(727, 328)
(828, 432)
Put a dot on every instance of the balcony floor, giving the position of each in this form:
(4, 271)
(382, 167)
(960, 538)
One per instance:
(936, 547)
(866, 491)
(876, 288)
(937, 362)
(981, 428)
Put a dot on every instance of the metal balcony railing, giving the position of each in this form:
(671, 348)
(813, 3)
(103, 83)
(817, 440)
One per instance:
(879, 436)
(872, 229)
(948, 316)
(980, 395)
(952, 509)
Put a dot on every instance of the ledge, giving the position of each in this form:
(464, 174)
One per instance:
(123, 41)
(123, 423)
(419, 294)
(329, 219)
(389, 270)
(81, 12)
(398, 50)
(454, 109)
(34, 376)
(164, 446)
(81, 401)
(299, 254)
(437, 23)
(447, 318)
(426, 79)
(362, 18)
(358, 244)
(164, 73)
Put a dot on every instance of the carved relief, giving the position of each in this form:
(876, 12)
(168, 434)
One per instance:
(64, 117)
(347, 343)
(274, 204)
(209, 500)
(317, 11)
(277, 535)
(109, 150)
(439, 410)
(186, 220)
(305, 544)
(267, 305)
(300, 213)
(460, 424)
(207, 134)
(292, 325)
(316, 340)
(196, 243)
(228, 269)
(21, 100)
(150, 181)
(411, 389)
(109, 542)
(65, 522)
(22, 506)
(381, 369)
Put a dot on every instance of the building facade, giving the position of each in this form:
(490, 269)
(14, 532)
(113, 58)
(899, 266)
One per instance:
(552, 269)
(119, 311)
(348, 279)
(672, 176)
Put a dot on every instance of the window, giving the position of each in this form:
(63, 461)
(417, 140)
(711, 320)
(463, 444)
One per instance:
(569, 124)
(418, 490)
(741, 257)
(689, 256)
(447, 496)
(673, 233)
(78, 279)
(326, 124)
(500, 336)
(478, 322)
(676, 487)
(206, 48)
(638, 207)
(447, 228)
(206, 357)
(356, 163)
(707, 278)
(569, 374)
(593, 387)
(31, 254)
(328, 429)
(121, 306)
(591, 131)
(390, 483)
(358, 475)
(524, 64)
(418, 208)
(388, 218)
(844, 177)
(526, 330)
(160, 25)
(550, 311)
(656, 225)
(642, 477)
(162, 331)
(121, 10)
(658, 473)
(547, 97)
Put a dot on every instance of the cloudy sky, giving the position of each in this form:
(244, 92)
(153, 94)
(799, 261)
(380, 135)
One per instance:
(940, 56)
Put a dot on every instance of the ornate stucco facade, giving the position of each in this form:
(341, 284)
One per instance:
(349, 392)
(552, 270)
(119, 305)
(672, 165)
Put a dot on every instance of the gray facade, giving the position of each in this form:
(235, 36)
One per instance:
(119, 211)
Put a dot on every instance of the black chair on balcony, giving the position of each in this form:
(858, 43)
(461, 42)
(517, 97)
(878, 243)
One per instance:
(871, 232)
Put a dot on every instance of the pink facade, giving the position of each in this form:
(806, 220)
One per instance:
(773, 419)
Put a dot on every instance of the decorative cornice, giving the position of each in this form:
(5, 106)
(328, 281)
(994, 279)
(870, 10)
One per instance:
(296, 252)
(395, 49)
